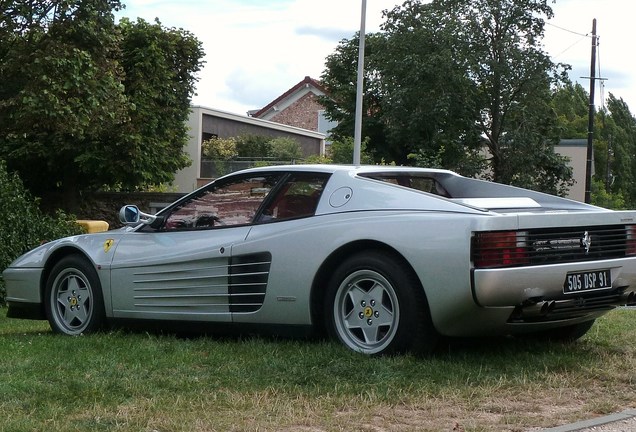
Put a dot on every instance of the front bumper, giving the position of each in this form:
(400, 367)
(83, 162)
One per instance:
(32, 311)
(23, 284)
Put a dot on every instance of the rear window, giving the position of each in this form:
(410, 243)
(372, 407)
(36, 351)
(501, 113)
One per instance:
(417, 182)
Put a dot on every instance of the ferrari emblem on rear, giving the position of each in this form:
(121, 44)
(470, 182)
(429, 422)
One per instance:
(586, 242)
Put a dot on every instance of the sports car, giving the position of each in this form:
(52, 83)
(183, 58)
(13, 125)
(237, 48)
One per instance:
(382, 259)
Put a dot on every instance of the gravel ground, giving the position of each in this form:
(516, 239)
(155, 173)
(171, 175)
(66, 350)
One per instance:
(628, 425)
(620, 422)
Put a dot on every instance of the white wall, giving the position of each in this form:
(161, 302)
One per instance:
(186, 179)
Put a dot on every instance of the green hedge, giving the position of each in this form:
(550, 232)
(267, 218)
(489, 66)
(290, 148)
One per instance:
(23, 225)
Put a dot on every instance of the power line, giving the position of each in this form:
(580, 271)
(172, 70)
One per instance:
(583, 36)
(575, 43)
(569, 31)
(601, 80)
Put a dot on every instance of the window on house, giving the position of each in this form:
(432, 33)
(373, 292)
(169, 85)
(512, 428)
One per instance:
(208, 136)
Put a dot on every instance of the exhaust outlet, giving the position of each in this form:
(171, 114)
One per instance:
(629, 298)
(540, 308)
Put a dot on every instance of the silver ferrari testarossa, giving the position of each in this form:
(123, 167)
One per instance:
(385, 259)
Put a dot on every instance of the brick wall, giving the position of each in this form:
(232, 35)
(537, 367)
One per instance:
(303, 113)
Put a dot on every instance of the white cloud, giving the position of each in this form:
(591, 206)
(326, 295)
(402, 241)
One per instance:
(258, 49)
(571, 43)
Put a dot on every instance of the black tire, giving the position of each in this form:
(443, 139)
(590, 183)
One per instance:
(375, 305)
(73, 298)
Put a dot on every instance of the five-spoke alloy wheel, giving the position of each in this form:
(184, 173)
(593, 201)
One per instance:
(73, 302)
(374, 305)
(366, 311)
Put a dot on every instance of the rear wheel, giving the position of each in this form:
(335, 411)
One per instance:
(374, 305)
(73, 297)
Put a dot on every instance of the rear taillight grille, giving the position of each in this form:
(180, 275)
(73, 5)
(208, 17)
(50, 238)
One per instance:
(552, 246)
(630, 246)
(499, 249)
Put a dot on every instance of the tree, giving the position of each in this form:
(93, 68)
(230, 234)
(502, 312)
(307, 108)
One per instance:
(340, 78)
(341, 151)
(614, 142)
(88, 102)
(63, 89)
(428, 98)
(159, 66)
(513, 75)
(619, 134)
(453, 77)
(19, 209)
(571, 103)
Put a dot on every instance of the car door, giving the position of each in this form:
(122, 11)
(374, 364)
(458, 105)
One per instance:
(184, 269)
(288, 232)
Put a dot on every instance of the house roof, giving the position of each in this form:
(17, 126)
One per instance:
(201, 110)
(289, 94)
(577, 142)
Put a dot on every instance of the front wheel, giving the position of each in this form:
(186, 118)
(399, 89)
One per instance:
(374, 305)
(73, 297)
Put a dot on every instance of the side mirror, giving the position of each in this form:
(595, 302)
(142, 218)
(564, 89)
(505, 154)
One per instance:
(131, 215)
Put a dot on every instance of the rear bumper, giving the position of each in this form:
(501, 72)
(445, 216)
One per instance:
(537, 292)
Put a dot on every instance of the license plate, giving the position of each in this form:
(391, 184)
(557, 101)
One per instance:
(587, 281)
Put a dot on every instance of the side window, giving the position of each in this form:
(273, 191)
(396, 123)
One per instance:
(297, 198)
(226, 204)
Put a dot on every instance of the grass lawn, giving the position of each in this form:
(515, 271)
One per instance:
(136, 381)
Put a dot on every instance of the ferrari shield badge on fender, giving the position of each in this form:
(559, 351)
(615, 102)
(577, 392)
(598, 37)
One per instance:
(108, 244)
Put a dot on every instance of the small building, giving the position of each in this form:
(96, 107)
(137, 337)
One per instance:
(576, 151)
(206, 123)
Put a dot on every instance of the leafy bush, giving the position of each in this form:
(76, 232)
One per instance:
(254, 149)
(24, 226)
(317, 159)
(253, 146)
(219, 149)
(284, 149)
(602, 198)
(341, 152)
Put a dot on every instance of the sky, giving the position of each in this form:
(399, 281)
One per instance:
(258, 49)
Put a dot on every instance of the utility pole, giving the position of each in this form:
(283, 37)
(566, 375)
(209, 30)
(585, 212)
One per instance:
(357, 135)
(590, 124)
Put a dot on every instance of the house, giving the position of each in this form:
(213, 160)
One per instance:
(205, 123)
(299, 107)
